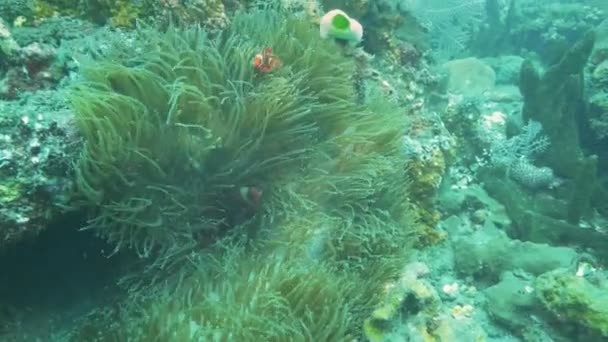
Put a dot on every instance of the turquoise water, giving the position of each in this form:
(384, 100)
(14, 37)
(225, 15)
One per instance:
(303, 170)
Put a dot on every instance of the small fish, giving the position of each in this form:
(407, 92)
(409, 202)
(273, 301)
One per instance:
(251, 195)
(266, 61)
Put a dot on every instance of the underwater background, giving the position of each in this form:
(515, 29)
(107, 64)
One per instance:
(304, 170)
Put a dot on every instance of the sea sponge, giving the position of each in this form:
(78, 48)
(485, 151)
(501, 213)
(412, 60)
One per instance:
(338, 25)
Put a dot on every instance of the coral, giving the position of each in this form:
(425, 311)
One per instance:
(386, 23)
(410, 295)
(427, 170)
(551, 100)
(525, 145)
(460, 119)
(512, 301)
(516, 154)
(545, 219)
(210, 13)
(11, 9)
(8, 45)
(600, 48)
(42, 10)
(356, 8)
(583, 196)
(9, 192)
(449, 22)
(427, 176)
(412, 311)
(531, 176)
(490, 252)
(426, 167)
(574, 300)
(473, 198)
(598, 100)
(213, 12)
(119, 13)
(34, 165)
(124, 13)
(33, 68)
(599, 76)
(429, 149)
(545, 28)
(506, 67)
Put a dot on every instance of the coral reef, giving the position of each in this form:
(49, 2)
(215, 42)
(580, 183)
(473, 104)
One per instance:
(556, 107)
(216, 170)
(12, 9)
(388, 25)
(427, 167)
(574, 299)
(487, 254)
(124, 13)
(27, 65)
(412, 309)
(598, 95)
(544, 28)
(516, 155)
(511, 273)
(210, 13)
(8, 45)
(450, 23)
(36, 144)
(37, 141)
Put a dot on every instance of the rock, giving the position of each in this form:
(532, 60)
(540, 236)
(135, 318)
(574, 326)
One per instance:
(574, 300)
(506, 68)
(8, 45)
(469, 76)
(511, 301)
(489, 252)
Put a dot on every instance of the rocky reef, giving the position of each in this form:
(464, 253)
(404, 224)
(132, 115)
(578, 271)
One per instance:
(303, 170)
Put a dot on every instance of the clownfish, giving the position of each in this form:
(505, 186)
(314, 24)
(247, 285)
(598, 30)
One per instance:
(251, 195)
(266, 61)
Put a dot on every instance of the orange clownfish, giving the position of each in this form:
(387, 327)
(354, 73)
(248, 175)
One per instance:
(266, 61)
